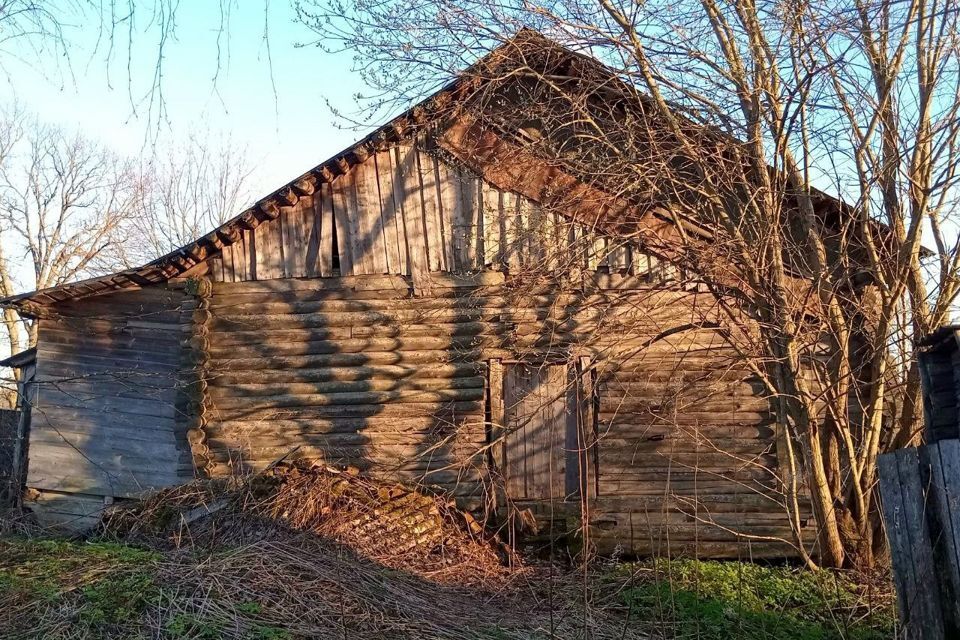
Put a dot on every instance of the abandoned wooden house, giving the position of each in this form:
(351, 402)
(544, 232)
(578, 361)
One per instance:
(388, 310)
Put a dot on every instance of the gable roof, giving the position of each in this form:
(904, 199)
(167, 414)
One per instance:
(466, 139)
(184, 258)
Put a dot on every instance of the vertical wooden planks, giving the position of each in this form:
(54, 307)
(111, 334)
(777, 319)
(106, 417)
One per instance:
(359, 242)
(431, 214)
(369, 224)
(536, 236)
(449, 214)
(496, 429)
(314, 235)
(340, 198)
(407, 175)
(391, 215)
(403, 206)
(557, 421)
(593, 247)
(241, 266)
(345, 199)
(514, 452)
(229, 268)
(469, 229)
(253, 251)
(280, 233)
(494, 225)
(267, 248)
(302, 219)
(511, 240)
(325, 219)
(587, 428)
(619, 259)
(903, 505)
(944, 460)
(577, 246)
(390, 161)
(250, 253)
(640, 261)
(536, 415)
(216, 268)
(290, 245)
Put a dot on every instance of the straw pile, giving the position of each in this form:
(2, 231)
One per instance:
(296, 552)
(390, 524)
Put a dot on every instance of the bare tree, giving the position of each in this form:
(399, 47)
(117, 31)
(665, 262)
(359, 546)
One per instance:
(58, 38)
(188, 190)
(11, 133)
(71, 209)
(63, 204)
(37, 27)
(734, 120)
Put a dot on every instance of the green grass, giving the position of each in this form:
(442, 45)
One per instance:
(103, 587)
(735, 600)
(61, 589)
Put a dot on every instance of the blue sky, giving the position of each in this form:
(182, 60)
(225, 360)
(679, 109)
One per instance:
(285, 133)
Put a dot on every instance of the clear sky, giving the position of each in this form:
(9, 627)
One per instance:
(276, 111)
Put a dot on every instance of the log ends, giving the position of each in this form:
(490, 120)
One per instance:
(193, 402)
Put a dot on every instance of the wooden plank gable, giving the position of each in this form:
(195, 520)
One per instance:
(406, 211)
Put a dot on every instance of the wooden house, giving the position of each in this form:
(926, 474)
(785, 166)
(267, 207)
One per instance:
(413, 307)
(938, 356)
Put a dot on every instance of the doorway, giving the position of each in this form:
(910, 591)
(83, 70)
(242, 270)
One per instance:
(544, 456)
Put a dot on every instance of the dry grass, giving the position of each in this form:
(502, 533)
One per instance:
(312, 552)
(298, 552)
(389, 524)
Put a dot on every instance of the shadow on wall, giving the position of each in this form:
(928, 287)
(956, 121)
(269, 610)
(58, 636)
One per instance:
(373, 379)
(103, 416)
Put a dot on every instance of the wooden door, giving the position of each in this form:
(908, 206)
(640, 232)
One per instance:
(540, 448)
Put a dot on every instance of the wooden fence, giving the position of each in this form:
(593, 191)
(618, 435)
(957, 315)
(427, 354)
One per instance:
(920, 491)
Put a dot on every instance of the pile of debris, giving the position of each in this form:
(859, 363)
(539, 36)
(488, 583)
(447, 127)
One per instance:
(394, 525)
(297, 551)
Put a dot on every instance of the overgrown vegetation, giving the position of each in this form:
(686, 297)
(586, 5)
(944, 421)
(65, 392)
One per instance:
(96, 589)
(93, 588)
(723, 600)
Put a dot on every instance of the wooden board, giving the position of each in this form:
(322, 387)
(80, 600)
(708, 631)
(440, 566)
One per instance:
(405, 211)
(911, 550)
(407, 177)
(104, 419)
(536, 413)
(391, 215)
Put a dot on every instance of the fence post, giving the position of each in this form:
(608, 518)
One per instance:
(920, 496)
(943, 495)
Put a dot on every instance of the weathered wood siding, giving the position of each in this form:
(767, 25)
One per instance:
(939, 364)
(358, 371)
(687, 458)
(404, 212)
(396, 320)
(104, 421)
(352, 371)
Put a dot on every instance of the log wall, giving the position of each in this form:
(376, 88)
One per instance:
(353, 371)
(359, 326)
(687, 458)
(104, 422)
(360, 372)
